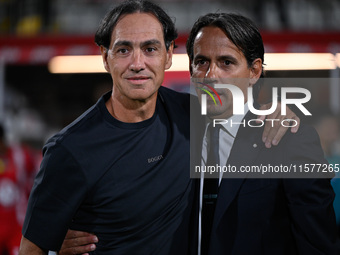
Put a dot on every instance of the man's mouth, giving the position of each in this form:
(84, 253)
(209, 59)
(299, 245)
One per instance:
(210, 91)
(138, 79)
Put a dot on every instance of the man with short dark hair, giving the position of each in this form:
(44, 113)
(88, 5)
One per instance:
(121, 169)
(245, 214)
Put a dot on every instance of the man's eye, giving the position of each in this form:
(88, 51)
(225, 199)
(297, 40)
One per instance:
(122, 51)
(227, 62)
(201, 62)
(150, 49)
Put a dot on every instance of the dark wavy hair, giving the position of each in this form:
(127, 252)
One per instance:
(108, 23)
(240, 30)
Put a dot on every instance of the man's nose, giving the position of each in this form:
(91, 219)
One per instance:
(137, 61)
(211, 72)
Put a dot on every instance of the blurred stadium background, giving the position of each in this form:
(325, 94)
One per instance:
(51, 71)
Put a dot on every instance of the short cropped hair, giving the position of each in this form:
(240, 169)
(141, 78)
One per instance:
(108, 23)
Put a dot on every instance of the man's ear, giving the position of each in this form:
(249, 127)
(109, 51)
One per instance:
(169, 54)
(255, 71)
(104, 52)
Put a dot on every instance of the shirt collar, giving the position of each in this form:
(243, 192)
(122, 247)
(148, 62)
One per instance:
(233, 129)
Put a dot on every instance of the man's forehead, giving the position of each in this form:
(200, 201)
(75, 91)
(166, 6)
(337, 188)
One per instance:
(211, 33)
(138, 25)
(199, 35)
(214, 40)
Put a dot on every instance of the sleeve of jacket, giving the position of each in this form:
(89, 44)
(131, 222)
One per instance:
(310, 199)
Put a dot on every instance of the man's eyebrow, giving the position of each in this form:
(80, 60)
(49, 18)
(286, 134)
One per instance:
(227, 57)
(199, 56)
(122, 43)
(150, 42)
(142, 44)
(219, 58)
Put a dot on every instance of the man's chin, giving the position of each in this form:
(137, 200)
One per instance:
(215, 109)
(218, 113)
(142, 95)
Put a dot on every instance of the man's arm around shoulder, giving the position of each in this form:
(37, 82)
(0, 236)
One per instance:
(28, 248)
